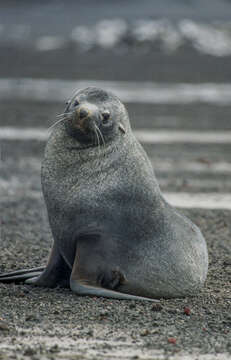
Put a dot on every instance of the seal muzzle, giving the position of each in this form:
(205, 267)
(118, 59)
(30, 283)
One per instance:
(85, 117)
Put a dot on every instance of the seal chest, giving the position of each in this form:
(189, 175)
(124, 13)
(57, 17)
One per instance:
(114, 234)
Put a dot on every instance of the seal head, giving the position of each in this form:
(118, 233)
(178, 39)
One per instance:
(88, 117)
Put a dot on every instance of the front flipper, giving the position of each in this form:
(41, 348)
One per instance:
(88, 290)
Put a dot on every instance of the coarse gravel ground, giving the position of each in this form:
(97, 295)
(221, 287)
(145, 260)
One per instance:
(41, 323)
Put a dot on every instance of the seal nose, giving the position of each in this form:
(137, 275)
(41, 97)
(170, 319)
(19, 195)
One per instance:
(83, 113)
(105, 115)
(85, 117)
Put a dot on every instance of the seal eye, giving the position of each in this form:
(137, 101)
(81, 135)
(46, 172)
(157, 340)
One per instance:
(76, 103)
(106, 116)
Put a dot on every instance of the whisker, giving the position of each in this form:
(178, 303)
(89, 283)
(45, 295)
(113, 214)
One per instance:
(101, 135)
(97, 136)
(64, 114)
(56, 123)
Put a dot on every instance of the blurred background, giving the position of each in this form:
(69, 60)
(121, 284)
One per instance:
(168, 60)
(170, 63)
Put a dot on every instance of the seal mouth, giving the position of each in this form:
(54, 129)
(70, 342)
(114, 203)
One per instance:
(84, 120)
(82, 123)
(84, 126)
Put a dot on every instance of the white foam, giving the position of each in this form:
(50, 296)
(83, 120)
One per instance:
(48, 90)
(212, 38)
(48, 43)
(11, 133)
(83, 36)
(106, 33)
(200, 166)
(199, 200)
(157, 30)
(145, 136)
(180, 136)
(207, 38)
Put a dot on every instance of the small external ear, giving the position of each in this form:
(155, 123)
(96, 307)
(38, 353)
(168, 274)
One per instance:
(67, 105)
(122, 128)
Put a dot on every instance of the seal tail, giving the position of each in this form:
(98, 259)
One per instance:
(87, 290)
(21, 275)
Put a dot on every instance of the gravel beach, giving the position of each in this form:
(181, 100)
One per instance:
(41, 323)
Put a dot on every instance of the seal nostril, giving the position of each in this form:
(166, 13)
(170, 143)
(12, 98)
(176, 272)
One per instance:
(106, 116)
(83, 113)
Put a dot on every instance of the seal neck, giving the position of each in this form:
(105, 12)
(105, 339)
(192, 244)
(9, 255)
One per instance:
(66, 147)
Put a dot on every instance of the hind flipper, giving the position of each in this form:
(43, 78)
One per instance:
(21, 275)
(91, 275)
(22, 271)
(56, 273)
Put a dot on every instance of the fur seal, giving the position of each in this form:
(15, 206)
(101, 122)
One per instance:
(114, 234)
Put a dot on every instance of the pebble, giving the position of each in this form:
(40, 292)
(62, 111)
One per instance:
(187, 311)
(54, 349)
(172, 340)
(29, 351)
(144, 332)
(156, 307)
(4, 326)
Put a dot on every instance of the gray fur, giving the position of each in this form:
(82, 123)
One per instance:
(114, 193)
(113, 231)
